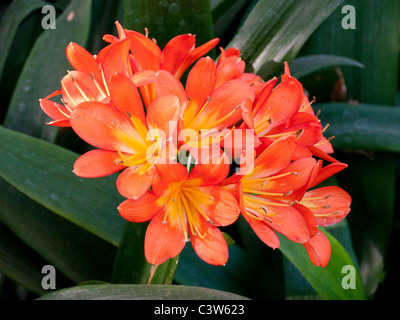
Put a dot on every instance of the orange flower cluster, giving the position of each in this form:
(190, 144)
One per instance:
(194, 156)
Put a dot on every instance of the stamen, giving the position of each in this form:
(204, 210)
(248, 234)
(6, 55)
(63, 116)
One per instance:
(260, 200)
(79, 88)
(197, 206)
(98, 86)
(67, 93)
(306, 106)
(326, 127)
(104, 80)
(255, 191)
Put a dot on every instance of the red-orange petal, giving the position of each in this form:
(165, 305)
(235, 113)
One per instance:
(78, 87)
(133, 182)
(211, 248)
(326, 172)
(283, 102)
(311, 126)
(225, 100)
(195, 54)
(199, 85)
(175, 51)
(289, 222)
(224, 208)
(81, 60)
(213, 173)
(140, 210)
(163, 241)
(263, 231)
(329, 204)
(145, 52)
(125, 96)
(163, 114)
(166, 84)
(274, 158)
(97, 163)
(166, 174)
(319, 250)
(308, 217)
(300, 170)
(230, 68)
(54, 110)
(104, 127)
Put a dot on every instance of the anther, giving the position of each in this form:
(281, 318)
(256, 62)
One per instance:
(299, 133)
(264, 209)
(288, 193)
(327, 206)
(294, 202)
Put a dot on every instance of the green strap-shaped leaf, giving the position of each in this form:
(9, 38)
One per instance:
(23, 265)
(333, 282)
(73, 251)
(361, 126)
(306, 65)
(43, 171)
(15, 13)
(274, 31)
(131, 265)
(140, 292)
(44, 70)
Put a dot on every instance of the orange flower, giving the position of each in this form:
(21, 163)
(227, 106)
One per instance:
(185, 207)
(285, 109)
(88, 82)
(126, 138)
(274, 197)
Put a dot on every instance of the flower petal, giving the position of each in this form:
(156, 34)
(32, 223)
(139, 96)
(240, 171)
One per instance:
(54, 110)
(327, 171)
(229, 68)
(223, 109)
(274, 158)
(329, 204)
(97, 163)
(166, 84)
(81, 60)
(162, 241)
(309, 217)
(141, 209)
(288, 221)
(283, 102)
(175, 51)
(295, 176)
(78, 87)
(163, 115)
(199, 85)
(126, 98)
(145, 52)
(167, 174)
(195, 54)
(212, 173)
(210, 246)
(319, 250)
(133, 182)
(263, 231)
(104, 127)
(224, 209)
